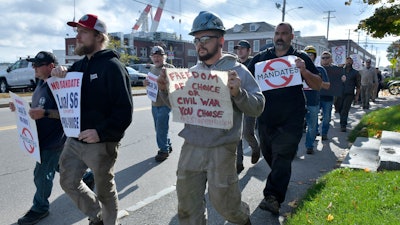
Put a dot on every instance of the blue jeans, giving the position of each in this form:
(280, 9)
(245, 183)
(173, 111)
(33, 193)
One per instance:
(311, 121)
(43, 178)
(326, 116)
(161, 124)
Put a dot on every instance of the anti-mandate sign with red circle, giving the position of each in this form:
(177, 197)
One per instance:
(277, 73)
(26, 126)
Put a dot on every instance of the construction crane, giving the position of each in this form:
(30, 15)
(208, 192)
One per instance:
(143, 21)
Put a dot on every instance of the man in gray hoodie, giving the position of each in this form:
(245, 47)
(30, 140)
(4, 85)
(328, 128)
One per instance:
(209, 154)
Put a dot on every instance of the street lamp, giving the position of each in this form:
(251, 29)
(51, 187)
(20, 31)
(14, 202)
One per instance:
(284, 11)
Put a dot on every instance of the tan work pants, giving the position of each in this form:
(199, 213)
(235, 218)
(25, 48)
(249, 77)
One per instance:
(100, 158)
(216, 165)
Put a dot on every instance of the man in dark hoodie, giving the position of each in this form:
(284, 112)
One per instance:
(208, 154)
(106, 112)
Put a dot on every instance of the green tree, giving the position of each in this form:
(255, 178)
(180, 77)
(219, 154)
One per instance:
(125, 57)
(393, 50)
(384, 22)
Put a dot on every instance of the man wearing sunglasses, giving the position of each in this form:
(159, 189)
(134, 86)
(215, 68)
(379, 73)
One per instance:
(51, 137)
(209, 154)
(313, 102)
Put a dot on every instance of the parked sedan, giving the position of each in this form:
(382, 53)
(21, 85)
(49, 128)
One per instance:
(136, 77)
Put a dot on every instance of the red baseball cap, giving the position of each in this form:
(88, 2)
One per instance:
(90, 21)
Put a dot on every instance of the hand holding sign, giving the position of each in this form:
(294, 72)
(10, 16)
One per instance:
(59, 71)
(234, 83)
(300, 64)
(162, 81)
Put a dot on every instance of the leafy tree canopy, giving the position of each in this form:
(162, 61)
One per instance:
(125, 57)
(384, 22)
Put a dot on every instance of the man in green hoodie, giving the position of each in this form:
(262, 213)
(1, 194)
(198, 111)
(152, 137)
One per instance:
(209, 154)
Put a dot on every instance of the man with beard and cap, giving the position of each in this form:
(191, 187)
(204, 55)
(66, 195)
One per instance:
(106, 112)
(208, 154)
(280, 126)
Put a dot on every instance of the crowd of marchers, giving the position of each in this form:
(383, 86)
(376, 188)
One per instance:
(272, 122)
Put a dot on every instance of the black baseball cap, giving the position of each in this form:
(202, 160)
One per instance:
(243, 44)
(157, 50)
(43, 58)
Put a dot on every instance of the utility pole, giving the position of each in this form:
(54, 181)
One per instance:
(348, 44)
(329, 18)
(283, 10)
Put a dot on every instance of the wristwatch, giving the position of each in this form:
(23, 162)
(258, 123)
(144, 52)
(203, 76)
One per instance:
(46, 113)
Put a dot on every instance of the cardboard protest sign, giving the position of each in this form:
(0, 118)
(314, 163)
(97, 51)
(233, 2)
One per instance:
(339, 54)
(277, 73)
(357, 62)
(67, 92)
(152, 87)
(200, 97)
(335, 78)
(26, 126)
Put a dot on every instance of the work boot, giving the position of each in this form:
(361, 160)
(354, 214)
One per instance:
(343, 128)
(310, 151)
(161, 156)
(32, 217)
(270, 203)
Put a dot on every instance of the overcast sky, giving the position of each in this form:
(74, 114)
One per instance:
(27, 27)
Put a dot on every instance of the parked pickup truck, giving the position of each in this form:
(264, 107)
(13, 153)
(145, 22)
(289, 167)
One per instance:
(18, 75)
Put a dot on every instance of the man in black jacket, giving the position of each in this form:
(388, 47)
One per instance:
(280, 125)
(106, 112)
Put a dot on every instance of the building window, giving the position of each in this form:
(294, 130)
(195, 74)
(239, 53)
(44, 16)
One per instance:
(254, 27)
(231, 46)
(256, 45)
(143, 52)
(192, 52)
(134, 51)
(71, 49)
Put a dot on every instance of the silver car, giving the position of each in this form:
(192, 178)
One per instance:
(137, 78)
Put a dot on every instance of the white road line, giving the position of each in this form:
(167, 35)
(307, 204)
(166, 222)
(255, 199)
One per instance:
(146, 201)
(8, 127)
